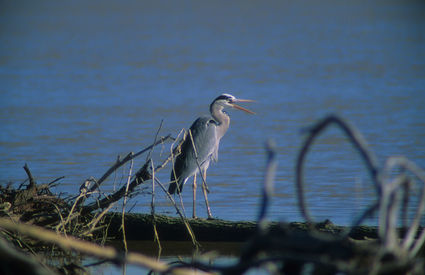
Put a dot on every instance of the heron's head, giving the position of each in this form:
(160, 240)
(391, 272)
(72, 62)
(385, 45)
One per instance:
(228, 100)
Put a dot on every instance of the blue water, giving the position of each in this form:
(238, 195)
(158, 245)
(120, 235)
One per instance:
(82, 83)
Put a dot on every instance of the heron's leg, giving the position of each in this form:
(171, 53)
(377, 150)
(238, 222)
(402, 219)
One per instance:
(194, 197)
(204, 190)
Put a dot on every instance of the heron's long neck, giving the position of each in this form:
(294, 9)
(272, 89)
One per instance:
(221, 117)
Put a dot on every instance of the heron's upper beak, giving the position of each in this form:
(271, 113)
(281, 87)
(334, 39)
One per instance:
(242, 108)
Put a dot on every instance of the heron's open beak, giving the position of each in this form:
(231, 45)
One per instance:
(242, 108)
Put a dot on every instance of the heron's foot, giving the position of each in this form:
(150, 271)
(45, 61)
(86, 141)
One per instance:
(210, 216)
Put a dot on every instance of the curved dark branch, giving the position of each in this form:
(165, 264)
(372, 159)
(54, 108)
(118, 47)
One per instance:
(32, 184)
(356, 139)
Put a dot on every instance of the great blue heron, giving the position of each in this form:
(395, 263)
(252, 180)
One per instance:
(206, 133)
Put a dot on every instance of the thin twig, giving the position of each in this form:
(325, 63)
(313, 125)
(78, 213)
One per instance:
(61, 218)
(154, 140)
(189, 229)
(366, 214)
(197, 162)
(64, 223)
(96, 220)
(123, 207)
(156, 236)
(51, 184)
(173, 153)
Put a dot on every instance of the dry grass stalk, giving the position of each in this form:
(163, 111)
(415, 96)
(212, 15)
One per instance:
(124, 239)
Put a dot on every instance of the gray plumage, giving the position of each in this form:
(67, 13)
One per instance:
(204, 133)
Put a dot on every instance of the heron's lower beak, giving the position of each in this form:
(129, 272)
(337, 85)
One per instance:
(242, 108)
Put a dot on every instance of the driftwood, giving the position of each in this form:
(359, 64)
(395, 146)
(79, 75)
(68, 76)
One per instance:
(139, 228)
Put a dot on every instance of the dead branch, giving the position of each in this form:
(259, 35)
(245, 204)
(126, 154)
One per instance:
(156, 236)
(124, 203)
(127, 158)
(143, 175)
(32, 184)
(154, 141)
(356, 139)
(391, 197)
(96, 220)
(182, 216)
(269, 176)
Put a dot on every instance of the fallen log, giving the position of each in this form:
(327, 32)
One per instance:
(139, 228)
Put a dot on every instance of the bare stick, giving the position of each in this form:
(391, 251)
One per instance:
(391, 213)
(123, 207)
(32, 184)
(197, 162)
(156, 236)
(61, 217)
(268, 179)
(189, 229)
(367, 213)
(54, 181)
(171, 156)
(153, 189)
(407, 165)
(173, 152)
(96, 220)
(154, 140)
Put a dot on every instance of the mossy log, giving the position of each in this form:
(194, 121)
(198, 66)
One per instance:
(139, 227)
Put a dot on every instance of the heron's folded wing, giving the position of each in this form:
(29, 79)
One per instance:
(204, 135)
